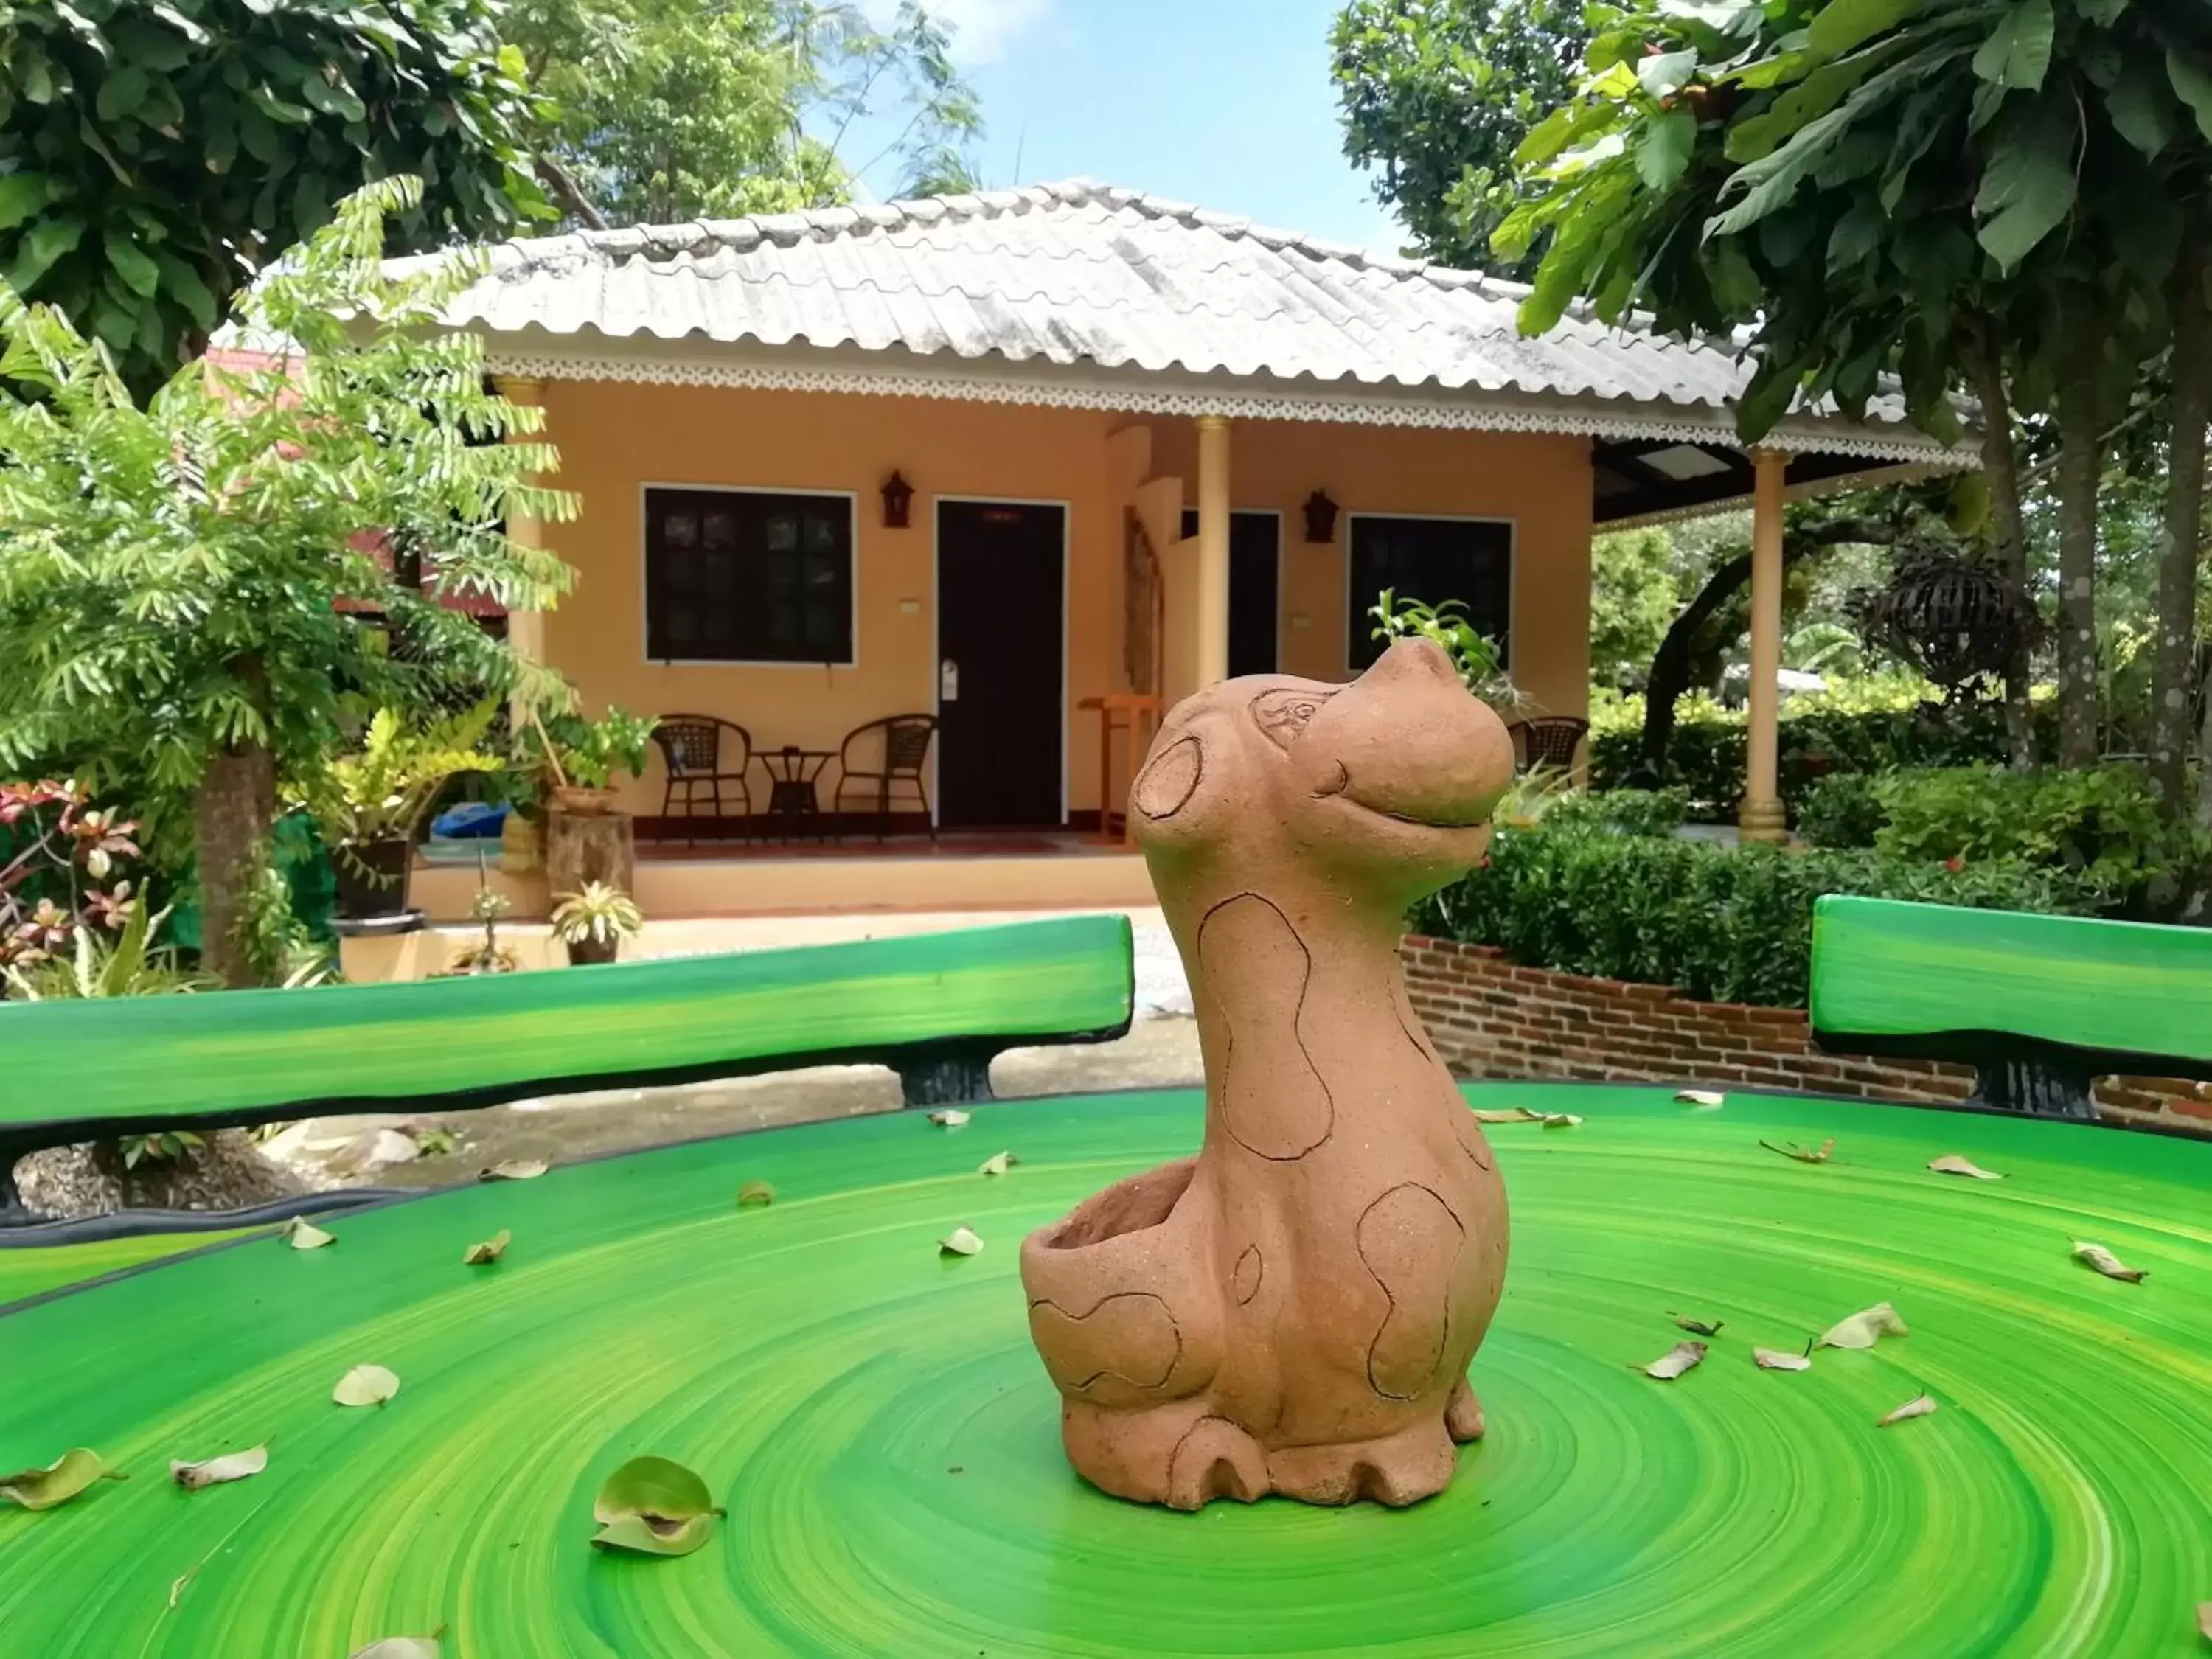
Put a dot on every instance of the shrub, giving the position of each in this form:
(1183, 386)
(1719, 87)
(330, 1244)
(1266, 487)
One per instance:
(1842, 809)
(1723, 924)
(1624, 811)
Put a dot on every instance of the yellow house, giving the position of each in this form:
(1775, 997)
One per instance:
(1146, 445)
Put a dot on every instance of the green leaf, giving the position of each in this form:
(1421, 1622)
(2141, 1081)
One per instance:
(121, 94)
(186, 286)
(2142, 107)
(2017, 54)
(331, 99)
(1843, 24)
(655, 1507)
(1857, 236)
(22, 194)
(2194, 87)
(132, 263)
(2029, 186)
(1664, 73)
(1663, 154)
(68, 1475)
(45, 243)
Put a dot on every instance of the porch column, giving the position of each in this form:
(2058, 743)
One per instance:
(1762, 817)
(1213, 549)
(525, 629)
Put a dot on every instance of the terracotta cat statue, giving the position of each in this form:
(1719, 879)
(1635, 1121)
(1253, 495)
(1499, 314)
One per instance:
(1293, 1310)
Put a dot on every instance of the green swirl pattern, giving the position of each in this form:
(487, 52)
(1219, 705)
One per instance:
(887, 1447)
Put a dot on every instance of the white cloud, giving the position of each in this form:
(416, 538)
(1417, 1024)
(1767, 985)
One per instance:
(981, 29)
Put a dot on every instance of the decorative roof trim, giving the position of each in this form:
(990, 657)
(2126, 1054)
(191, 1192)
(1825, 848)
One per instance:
(1631, 422)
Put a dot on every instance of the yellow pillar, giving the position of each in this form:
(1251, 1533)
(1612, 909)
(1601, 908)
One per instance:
(1762, 816)
(525, 629)
(1213, 549)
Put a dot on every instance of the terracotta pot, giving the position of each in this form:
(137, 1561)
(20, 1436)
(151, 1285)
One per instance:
(583, 953)
(582, 802)
(372, 877)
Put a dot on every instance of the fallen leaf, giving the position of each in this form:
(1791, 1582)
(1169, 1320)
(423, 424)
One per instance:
(948, 1119)
(479, 1256)
(300, 1236)
(366, 1385)
(1559, 1120)
(59, 1481)
(998, 1163)
(1773, 1359)
(755, 1195)
(216, 1470)
(2204, 1620)
(1700, 1327)
(1682, 1356)
(961, 1242)
(2109, 1264)
(405, 1647)
(655, 1507)
(1920, 1406)
(1510, 1115)
(1703, 1099)
(434, 1143)
(1964, 1166)
(1804, 1155)
(515, 1169)
(177, 1585)
(1863, 1330)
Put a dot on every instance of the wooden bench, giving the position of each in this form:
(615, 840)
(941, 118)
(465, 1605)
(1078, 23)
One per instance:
(2040, 1005)
(935, 1007)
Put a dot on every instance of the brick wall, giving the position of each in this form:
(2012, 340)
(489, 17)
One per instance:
(1490, 1016)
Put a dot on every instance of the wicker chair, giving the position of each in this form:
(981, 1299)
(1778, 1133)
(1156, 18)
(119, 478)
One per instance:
(890, 758)
(691, 745)
(1550, 740)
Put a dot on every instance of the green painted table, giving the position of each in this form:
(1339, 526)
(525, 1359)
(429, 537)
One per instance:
(887, 1447)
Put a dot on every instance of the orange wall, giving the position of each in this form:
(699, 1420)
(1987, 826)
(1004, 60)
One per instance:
(615, 438)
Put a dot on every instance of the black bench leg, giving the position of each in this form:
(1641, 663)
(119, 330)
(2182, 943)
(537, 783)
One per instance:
(947, 1076)
(2037, 1088)
(12, 1213)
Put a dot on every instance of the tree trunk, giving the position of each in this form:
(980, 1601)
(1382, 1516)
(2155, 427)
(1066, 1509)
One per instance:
(2080, 470)
(2182, 546)
(232, 811)
(2007, 533)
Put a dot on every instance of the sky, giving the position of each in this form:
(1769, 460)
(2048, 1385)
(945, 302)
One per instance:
(1224, 103)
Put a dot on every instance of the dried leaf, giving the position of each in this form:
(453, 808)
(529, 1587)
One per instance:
(1922, 1405)
(655, 1507)
(1773, 1359)
(515, 1169)
(1804, 1155)
(755, 1195)
(405, 1647)
(1510, 1115)
(1699, 1327)
(1863, 1330)
(60, 1480)
(997, 1164)
(1705, 1099)
(479, 1256)
(1682, 1356)
(2109, 1264)
(962, 1240)
(1964, 1166)
(216, 1470)
(366, 1385)
(948, 1119)
(1559, 1120)
(2204, 1620)
(300, 1236)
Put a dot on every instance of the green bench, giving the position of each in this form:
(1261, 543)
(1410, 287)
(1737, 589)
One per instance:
(934, 1007)
(2040, 1005)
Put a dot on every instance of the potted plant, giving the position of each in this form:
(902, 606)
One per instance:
(593, 923)
(581, 757)
(371, 803)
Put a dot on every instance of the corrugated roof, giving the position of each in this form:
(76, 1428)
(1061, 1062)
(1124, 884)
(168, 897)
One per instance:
(1083, 274)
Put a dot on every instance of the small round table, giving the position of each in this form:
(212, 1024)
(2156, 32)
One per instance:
(792, 801)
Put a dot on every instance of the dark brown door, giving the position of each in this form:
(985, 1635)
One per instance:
(998, 648)
(1254, 545)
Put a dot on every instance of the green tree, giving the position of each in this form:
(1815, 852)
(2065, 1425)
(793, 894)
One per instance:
(665, 110)
(2010, 194)
(1438, 94)
(179, 584)
(155, 154)
(1634, 595)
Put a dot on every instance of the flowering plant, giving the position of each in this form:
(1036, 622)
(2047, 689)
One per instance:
(61, 864)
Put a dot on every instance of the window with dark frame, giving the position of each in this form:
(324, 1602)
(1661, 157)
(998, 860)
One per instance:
(748, 576)
(1431, 560)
